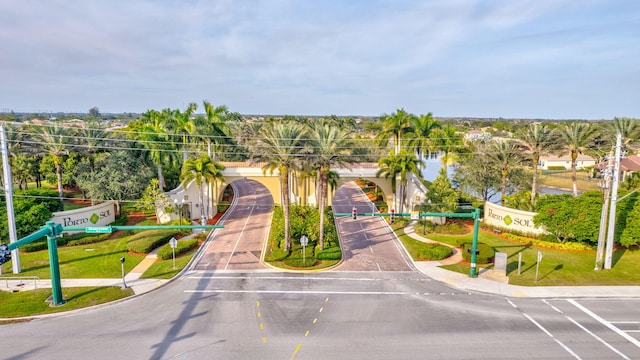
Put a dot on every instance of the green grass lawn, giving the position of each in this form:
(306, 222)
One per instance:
(29, 303)
(562, 179)
(98, 260)
(163, 269)
(557, 268)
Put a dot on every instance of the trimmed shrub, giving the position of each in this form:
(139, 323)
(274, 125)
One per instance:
(83, 238)
(485, 255)
(182, 247)
(299, 262)
(549, 244)
(333, 253)
(145, 241)
(435, 252)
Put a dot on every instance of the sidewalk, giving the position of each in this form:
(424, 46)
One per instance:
(484, 283)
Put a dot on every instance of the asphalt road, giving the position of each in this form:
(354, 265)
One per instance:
(371, 313)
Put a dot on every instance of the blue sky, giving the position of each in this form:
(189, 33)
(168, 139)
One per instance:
(552, 59)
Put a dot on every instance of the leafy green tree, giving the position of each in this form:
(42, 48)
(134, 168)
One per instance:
(570, 218)
(32, 209)
(203, 171)
(215, 128)
(631, 234)
(118, 176)
(401, 165)
(330, 148)
(441, 197)
(182, 124)
(477, 175)
(538, 140)
(280, 144)
(153, 199)
(576, 139)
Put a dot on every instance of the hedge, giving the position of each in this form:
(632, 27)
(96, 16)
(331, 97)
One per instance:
(183, 246)
(435, 252)
(485, 255)
(333, 253)
(145, 241)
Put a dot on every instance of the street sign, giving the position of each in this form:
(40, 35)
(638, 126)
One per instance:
(539, 256)
(173, 243)
(304, 240)
(415, 215)
(5, 254)
(98, 229)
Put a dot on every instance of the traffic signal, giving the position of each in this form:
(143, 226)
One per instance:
(354, 213)
(392, 216)
(5, 254)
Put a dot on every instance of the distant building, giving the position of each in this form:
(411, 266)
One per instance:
(563, 162)
(628, 165)
(477, 135)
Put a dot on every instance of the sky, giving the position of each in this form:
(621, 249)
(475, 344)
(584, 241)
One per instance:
(544, 59)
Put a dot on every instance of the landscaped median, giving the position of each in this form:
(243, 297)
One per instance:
(558, 267)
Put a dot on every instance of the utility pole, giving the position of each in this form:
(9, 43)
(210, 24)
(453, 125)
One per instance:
(615, 177)
(606, 186)
(8, 193)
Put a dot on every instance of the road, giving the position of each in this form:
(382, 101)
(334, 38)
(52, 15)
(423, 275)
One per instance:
(367, 312)
(238, 246)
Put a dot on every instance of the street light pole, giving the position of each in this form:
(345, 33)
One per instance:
(615, 178)
(606, 186)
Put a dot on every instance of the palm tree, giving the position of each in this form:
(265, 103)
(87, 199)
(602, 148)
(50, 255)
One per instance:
(280, 145)
(153, 135)
(424, 128)
(627, 127)
(54, 141)
(400, 164)
(537, 138)
(181, 123)
(447, 140)
(395, 126)
(329, 148)
(506, 156)
(575, 138)
(203, 171)
(215, 129)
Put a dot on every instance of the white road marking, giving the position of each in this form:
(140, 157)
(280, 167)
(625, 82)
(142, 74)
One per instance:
(588, 332)
(605, 323)
(298, 292)
(565, 347)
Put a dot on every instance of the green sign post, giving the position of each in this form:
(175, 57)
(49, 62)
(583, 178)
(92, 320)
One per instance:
(52, 231)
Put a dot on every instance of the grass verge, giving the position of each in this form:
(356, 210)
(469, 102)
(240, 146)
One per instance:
(29, 303)
(557, 268)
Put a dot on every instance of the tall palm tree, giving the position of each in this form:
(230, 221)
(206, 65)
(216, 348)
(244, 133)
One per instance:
(627, 127)
(536, 138)
(400, 164)
(424, 129)
(447, 140)
(280, 145)
(575, 138)
(153, 135)
(215, 128)
(55, 142)
(506, 155)
(203, 171)
(329, 148)
(395, 126)
(181, 123)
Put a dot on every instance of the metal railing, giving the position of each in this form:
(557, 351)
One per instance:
(21, 280)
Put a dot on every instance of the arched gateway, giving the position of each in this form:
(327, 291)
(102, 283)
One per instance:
(303, 189)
